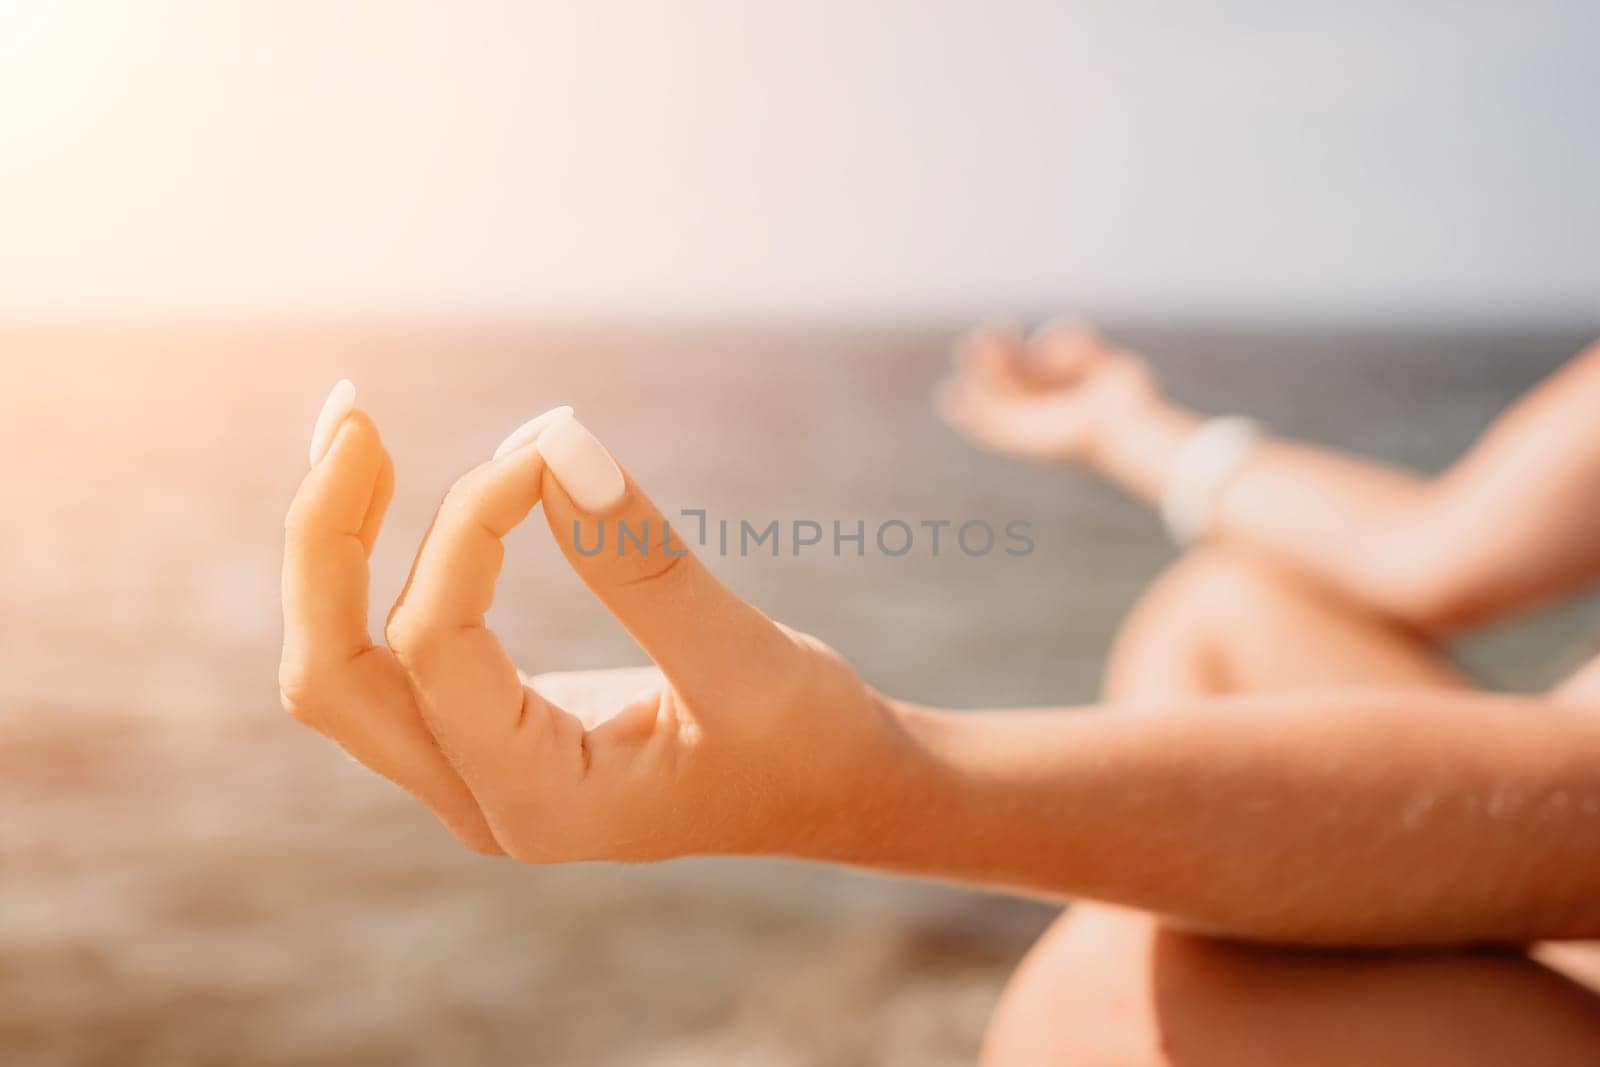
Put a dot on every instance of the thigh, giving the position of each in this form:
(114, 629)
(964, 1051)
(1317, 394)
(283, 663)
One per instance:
(1107, 986)
(1220, 621)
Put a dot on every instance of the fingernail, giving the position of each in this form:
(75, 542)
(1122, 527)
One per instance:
(341, 401)
(582, 465)
(531, 429)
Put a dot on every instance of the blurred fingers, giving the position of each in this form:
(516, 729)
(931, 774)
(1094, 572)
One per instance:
(1030, 428)
(988, 358)
(1059, 352)
(981, 419)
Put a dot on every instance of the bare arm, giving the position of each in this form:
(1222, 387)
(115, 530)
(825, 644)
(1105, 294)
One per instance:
(1516, 520)
(1336, 818)
(1345, 818)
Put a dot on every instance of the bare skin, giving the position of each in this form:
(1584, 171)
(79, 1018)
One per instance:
(1115, 986)
(1110, 985)
(1402, 816)
(1385, 539)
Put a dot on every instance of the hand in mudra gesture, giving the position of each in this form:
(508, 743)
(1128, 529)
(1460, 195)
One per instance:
(746, 737)
(1053, 397)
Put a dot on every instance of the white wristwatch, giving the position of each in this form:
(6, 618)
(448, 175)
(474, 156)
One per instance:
(1206, 459)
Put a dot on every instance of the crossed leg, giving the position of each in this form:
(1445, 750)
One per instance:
(1109, 986)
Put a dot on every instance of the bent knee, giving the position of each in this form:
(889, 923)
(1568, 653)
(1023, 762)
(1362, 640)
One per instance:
(1080, 996)
(1106, 986)
(1211, 575)
(1177, 639)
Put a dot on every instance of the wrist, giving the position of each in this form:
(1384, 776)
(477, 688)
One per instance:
(875, 805)
(1121, 427)
(1135, 448)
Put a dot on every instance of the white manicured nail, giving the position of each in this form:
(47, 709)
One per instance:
(582, 465)
(531, 429)
(341, 401)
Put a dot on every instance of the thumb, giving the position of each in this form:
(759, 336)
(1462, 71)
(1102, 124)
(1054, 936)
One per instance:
(707, 641)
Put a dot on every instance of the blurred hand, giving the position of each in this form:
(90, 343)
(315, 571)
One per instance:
(744, 737)
(1053, 397)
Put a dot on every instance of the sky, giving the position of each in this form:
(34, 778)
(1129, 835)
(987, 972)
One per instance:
(698, 158)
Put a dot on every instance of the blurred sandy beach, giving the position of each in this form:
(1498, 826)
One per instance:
(188, 877)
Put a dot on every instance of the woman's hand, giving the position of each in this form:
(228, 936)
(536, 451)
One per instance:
(1055, 397)
(1270, 818)
(746, 737)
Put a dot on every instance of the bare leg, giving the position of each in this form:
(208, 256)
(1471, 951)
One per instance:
(1110, 986)
(1219, 622)
(1106, 986)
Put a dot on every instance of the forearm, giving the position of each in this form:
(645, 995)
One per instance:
(1335, 818)
(1509, 524)
(1360, 528)
(1341, 520)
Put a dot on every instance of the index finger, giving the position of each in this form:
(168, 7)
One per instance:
(702, 635)
(466, 686)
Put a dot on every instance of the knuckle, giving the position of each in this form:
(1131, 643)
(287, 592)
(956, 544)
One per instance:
(801, 671)
(301, 694)
(408, 629)
(478, 839)
(461, 497)
(788, 686)
(653, 569)
(527, 838)
(525, 847)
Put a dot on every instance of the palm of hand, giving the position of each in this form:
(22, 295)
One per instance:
(1049, 400)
